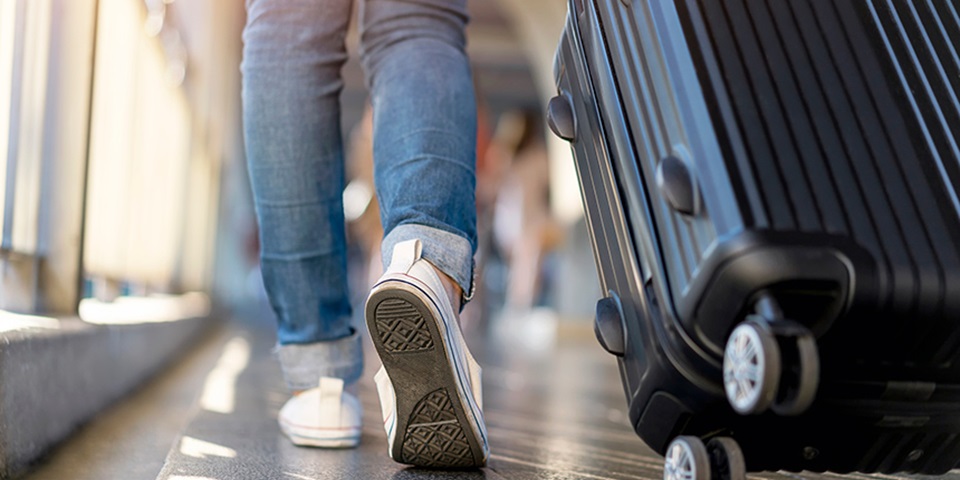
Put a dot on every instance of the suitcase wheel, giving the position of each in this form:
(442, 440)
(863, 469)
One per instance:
(686, 459)
(770, 364)
(751, 368)
(800, 376)
(726, 459)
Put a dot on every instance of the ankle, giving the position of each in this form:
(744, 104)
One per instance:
(451, 288)
(351, 388)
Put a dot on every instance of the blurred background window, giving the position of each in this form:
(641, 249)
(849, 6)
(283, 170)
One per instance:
(24, 54)
(149, 202)
(8, 24)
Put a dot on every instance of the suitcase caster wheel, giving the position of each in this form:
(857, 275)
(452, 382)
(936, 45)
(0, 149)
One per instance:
(801, 375)
(686, 459)
(726, 459)
(751, 368)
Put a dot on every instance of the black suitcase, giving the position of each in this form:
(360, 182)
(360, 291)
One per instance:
(770, 186)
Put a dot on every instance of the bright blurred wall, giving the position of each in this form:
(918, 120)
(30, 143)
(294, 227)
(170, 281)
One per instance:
(117, 118)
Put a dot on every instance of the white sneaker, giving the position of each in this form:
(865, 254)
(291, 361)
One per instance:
(429, 385)
(325, 416)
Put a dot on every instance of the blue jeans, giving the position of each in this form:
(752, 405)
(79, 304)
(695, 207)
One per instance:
(412, 52)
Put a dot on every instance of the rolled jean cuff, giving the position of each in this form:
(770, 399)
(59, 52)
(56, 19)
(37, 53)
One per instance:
(449, 252)
(304, 364)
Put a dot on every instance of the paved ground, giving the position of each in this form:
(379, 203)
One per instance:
(552, 412)
(554, 409)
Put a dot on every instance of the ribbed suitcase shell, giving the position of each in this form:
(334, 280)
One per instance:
(855, 105)
(821, 132)
(857, 101)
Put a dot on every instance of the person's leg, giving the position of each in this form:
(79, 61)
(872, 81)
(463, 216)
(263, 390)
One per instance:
(424, 154)
(293, 52)
(425, 124)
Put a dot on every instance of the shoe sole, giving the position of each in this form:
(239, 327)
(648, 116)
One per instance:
(433, 427)
(310, 439)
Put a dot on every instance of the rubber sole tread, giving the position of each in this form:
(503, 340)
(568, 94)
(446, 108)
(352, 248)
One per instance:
(434, 437)
(432, 429)
(401, 327)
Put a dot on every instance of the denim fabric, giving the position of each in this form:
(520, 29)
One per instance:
(413, 56)
(303, 365)
(449, 252)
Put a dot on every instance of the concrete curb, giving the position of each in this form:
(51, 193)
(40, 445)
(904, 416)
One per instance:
(52, 381)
